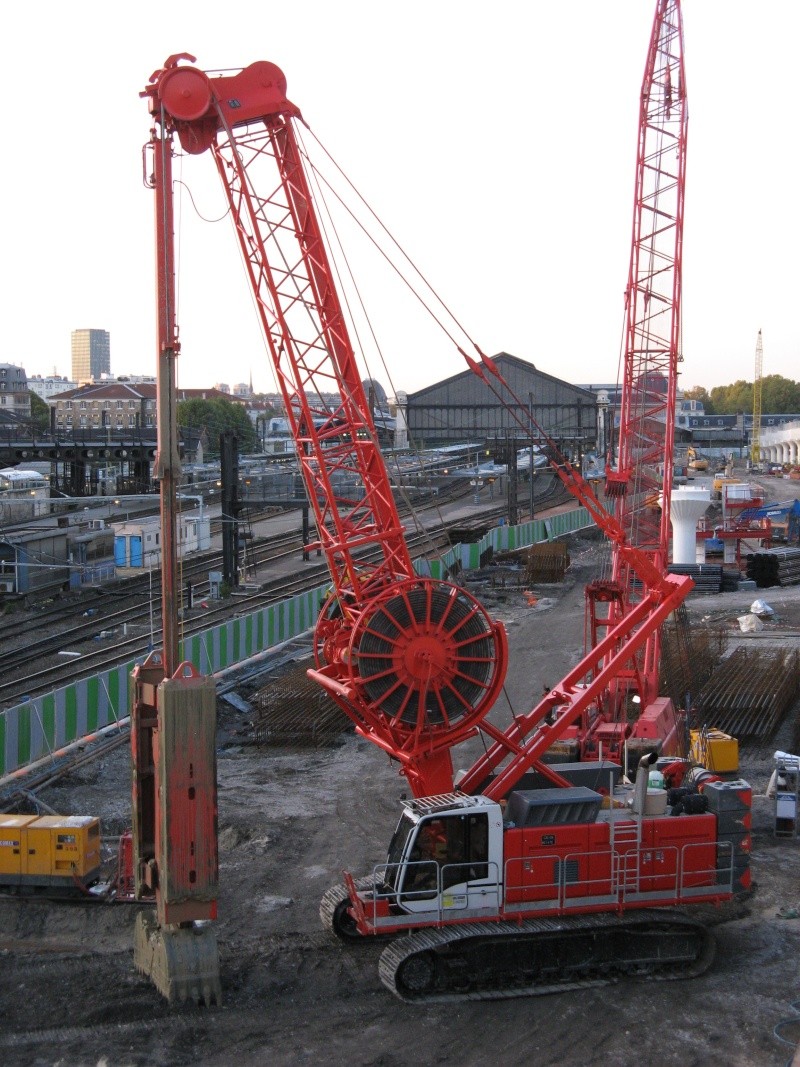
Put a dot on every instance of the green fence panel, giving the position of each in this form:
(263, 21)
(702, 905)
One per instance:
(24, 735)
(71, 716)
(92, 702)
(48, 720)
(119, 690)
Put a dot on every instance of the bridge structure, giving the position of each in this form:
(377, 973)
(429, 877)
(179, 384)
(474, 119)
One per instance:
(76, 463)
(781, 444)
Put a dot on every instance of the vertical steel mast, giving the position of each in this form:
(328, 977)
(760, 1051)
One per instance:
(173, 710)
(755, 434)
(168, 465)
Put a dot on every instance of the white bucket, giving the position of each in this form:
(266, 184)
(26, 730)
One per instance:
(656, 802)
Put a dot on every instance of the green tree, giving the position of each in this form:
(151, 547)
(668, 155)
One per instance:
(215, 416)
(779, 395)
(731, 399)
(40, 413)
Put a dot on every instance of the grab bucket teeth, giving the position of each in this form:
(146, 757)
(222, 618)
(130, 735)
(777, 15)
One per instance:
(182, 962)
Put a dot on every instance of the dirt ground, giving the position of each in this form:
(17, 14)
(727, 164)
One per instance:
(290, 821)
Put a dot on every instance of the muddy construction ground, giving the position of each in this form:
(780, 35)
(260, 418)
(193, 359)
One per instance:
(290, 820)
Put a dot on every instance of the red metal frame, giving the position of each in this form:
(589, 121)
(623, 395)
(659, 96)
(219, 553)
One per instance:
(653, 294)
(417, 664)
(414, 662)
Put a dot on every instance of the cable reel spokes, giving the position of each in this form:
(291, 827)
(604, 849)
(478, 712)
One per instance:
(427, 658)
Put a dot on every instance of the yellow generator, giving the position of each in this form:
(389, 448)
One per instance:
(715, 751)
(49, 853)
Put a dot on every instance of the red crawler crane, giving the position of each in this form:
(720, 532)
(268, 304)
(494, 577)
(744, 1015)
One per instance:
(497, 885)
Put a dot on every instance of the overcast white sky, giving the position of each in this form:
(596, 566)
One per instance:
(496, 141)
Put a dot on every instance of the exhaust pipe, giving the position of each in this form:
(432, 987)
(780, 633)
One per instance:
(641, 783)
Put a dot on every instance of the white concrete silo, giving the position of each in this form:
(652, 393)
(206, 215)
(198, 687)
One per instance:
(687, 505)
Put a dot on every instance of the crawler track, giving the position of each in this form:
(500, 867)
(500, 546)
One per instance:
(492, 961)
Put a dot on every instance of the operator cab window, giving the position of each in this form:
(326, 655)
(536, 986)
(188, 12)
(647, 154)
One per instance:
(448, 850)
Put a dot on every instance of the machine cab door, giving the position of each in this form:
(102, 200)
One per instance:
(447, 865)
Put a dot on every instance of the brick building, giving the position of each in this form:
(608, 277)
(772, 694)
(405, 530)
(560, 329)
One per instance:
(115, 405)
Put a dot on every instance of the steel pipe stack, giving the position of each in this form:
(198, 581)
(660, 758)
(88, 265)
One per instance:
(730, 581)
(707, 577)
(774, 566)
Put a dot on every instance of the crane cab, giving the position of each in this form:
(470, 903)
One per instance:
(446, 855)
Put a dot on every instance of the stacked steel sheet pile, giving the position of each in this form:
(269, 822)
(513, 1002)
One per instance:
(749, 692)
(774, 566)
(707, 577)
(731, 581)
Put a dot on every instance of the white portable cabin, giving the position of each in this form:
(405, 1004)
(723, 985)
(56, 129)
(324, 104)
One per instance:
(137, 542)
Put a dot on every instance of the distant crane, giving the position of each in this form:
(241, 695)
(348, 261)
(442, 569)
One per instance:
(755, 436)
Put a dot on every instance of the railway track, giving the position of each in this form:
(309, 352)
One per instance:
(114, 591)
(144, 614)
(17, 793)
(194, 566)
(18, 651)
(92, 661)
(131, 589)
(131, 647)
